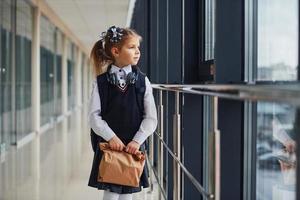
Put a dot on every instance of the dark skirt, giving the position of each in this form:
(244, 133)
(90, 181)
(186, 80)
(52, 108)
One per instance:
(120, 189)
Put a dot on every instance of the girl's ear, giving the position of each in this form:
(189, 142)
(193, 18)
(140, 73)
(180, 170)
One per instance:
(115, 51)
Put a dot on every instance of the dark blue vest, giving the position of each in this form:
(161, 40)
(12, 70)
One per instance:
(118, 109)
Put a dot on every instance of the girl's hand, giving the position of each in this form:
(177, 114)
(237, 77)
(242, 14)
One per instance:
(132, 147)
(116, 144)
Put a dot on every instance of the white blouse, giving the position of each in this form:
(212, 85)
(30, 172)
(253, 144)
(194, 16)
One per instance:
(100, 126)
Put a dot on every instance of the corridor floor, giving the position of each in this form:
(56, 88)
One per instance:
(78, 190)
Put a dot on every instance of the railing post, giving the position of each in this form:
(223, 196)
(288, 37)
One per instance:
(151, 159)
(176, 149)
(216, 176)
(160, 146)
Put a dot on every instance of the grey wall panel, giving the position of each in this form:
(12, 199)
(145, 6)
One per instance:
(229, 54)
(192, 109)
(231, 128)
(192, 137)
(174, 40)
(191, 41)
(229, 49)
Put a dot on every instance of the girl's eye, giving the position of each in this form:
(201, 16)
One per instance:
(134, 47)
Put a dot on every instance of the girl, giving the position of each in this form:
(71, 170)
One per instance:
(122, 109)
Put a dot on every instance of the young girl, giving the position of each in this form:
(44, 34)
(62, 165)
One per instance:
(122, 109)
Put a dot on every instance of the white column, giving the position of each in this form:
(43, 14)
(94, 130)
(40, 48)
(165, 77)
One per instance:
(65, 109)
(65, 76)
(78, 103)
(78, 78)
(85, 74)
(90, 78)
(35, 96)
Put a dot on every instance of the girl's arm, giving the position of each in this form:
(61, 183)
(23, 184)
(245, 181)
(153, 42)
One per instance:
(99, 126)
(149, 122)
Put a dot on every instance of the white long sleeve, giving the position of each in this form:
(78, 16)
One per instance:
(99, 126)
(149, 122)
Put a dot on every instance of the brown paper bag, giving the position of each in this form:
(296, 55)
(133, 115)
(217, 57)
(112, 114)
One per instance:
(120, 167)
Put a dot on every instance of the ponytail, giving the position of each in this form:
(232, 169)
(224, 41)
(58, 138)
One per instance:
(100, 59)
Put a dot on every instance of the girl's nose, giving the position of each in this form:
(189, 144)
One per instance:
(137, 51)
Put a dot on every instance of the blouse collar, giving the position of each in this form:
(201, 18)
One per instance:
(115, 69)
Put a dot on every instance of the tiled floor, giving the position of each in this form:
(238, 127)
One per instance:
(78, 189)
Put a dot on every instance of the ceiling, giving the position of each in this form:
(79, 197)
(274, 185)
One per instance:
(88, 18)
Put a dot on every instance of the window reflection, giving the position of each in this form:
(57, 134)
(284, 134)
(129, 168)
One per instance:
(275, 152)
(277, 57)
(71, 82)
(47, 52)
(58, 72)
(23, 68)
(5, 72)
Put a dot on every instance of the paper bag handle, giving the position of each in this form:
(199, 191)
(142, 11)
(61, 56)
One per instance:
(139, 155)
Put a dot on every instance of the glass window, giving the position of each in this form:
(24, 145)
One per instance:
(277, 40)
(6, 127)
(71, 66)
(47, 52)
(58, 73)
(275, 152)
(23, 68)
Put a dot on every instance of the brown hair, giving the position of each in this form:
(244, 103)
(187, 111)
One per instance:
(101, 55)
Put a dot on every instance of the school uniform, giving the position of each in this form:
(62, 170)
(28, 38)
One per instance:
(126, 110)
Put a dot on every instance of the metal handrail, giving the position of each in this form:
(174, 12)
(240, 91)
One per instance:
(198, 186)
(287, 93)
(176, 155)
(156, 176)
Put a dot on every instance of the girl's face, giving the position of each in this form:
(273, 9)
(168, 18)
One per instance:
(129, 54)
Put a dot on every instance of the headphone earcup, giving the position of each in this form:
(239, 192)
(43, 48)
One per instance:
(112, 78)
(131, 78)
(115, 79)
